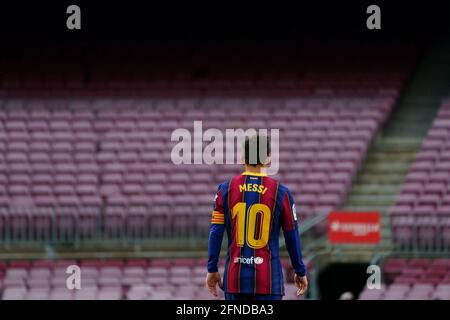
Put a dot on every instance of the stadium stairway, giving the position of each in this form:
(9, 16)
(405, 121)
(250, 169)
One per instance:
(389, 158)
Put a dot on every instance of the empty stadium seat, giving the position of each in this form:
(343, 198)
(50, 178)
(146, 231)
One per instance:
(419, 216)
(75, 161)
(412, 279)
(134, 279)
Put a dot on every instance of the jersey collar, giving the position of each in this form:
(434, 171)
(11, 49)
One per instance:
(248, 173)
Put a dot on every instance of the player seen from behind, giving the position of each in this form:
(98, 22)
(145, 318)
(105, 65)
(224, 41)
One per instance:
(253, 208)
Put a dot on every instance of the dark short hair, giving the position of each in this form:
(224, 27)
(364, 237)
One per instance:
(262, 150)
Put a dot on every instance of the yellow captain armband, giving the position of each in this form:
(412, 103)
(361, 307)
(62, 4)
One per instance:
(217, 217)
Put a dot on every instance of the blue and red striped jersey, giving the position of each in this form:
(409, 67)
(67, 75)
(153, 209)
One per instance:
(253, 209)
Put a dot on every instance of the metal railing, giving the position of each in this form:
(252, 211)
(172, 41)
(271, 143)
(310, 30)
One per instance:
(77, 225)
(74, 225)
(421, 234)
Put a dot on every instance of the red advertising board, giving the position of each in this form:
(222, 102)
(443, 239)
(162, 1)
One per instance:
(354, 227)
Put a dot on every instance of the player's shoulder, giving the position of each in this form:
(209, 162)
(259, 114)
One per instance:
(282, 188)
(224, 185)
(273, 180)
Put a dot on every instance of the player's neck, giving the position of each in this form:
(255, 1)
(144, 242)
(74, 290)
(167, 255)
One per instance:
(253, 169)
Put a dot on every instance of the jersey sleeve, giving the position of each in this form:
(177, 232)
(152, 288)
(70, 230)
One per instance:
(216, 231)
(217, 216)
(289, 225)
(288, 213)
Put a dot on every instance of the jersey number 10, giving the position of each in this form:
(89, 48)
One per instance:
(257, 219)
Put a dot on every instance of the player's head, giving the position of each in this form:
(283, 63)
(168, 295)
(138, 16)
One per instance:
(257, 150)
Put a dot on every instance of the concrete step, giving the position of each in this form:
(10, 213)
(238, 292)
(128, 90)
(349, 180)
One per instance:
(406, 132)
(365, 208)
(381, 178)
(416, 116)
(370, 200)
(411, 126)
(395, 148)
(398, 143)
(406, 156)
(374, 189)
(382, 167)
(418, 99)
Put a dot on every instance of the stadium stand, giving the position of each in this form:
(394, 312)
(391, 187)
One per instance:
(412, 279)
(85, 150)
(134, 279)
(64, 171)
(421, 215)
(77, 167)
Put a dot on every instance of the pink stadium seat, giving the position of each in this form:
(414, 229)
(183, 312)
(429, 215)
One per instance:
(14, 293)
(78, 157)
(110, 294)
(425, 190)
(413, 279)
(37, 294)
(412, 187)
(405, 199)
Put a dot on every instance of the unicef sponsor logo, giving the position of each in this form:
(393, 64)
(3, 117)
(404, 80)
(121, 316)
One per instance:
(250, 260)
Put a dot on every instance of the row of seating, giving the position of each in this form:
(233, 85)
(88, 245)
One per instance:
(413, 279)
(421, 214)
(134, 279)
(68, 167)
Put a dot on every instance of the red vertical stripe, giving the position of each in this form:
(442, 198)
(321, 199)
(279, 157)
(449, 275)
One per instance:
(263, 276)
(219, 202)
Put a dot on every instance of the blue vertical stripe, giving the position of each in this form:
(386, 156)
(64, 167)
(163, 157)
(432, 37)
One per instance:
(248, 270)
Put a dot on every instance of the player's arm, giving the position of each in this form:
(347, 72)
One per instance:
(216, 231)
(293, 244)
